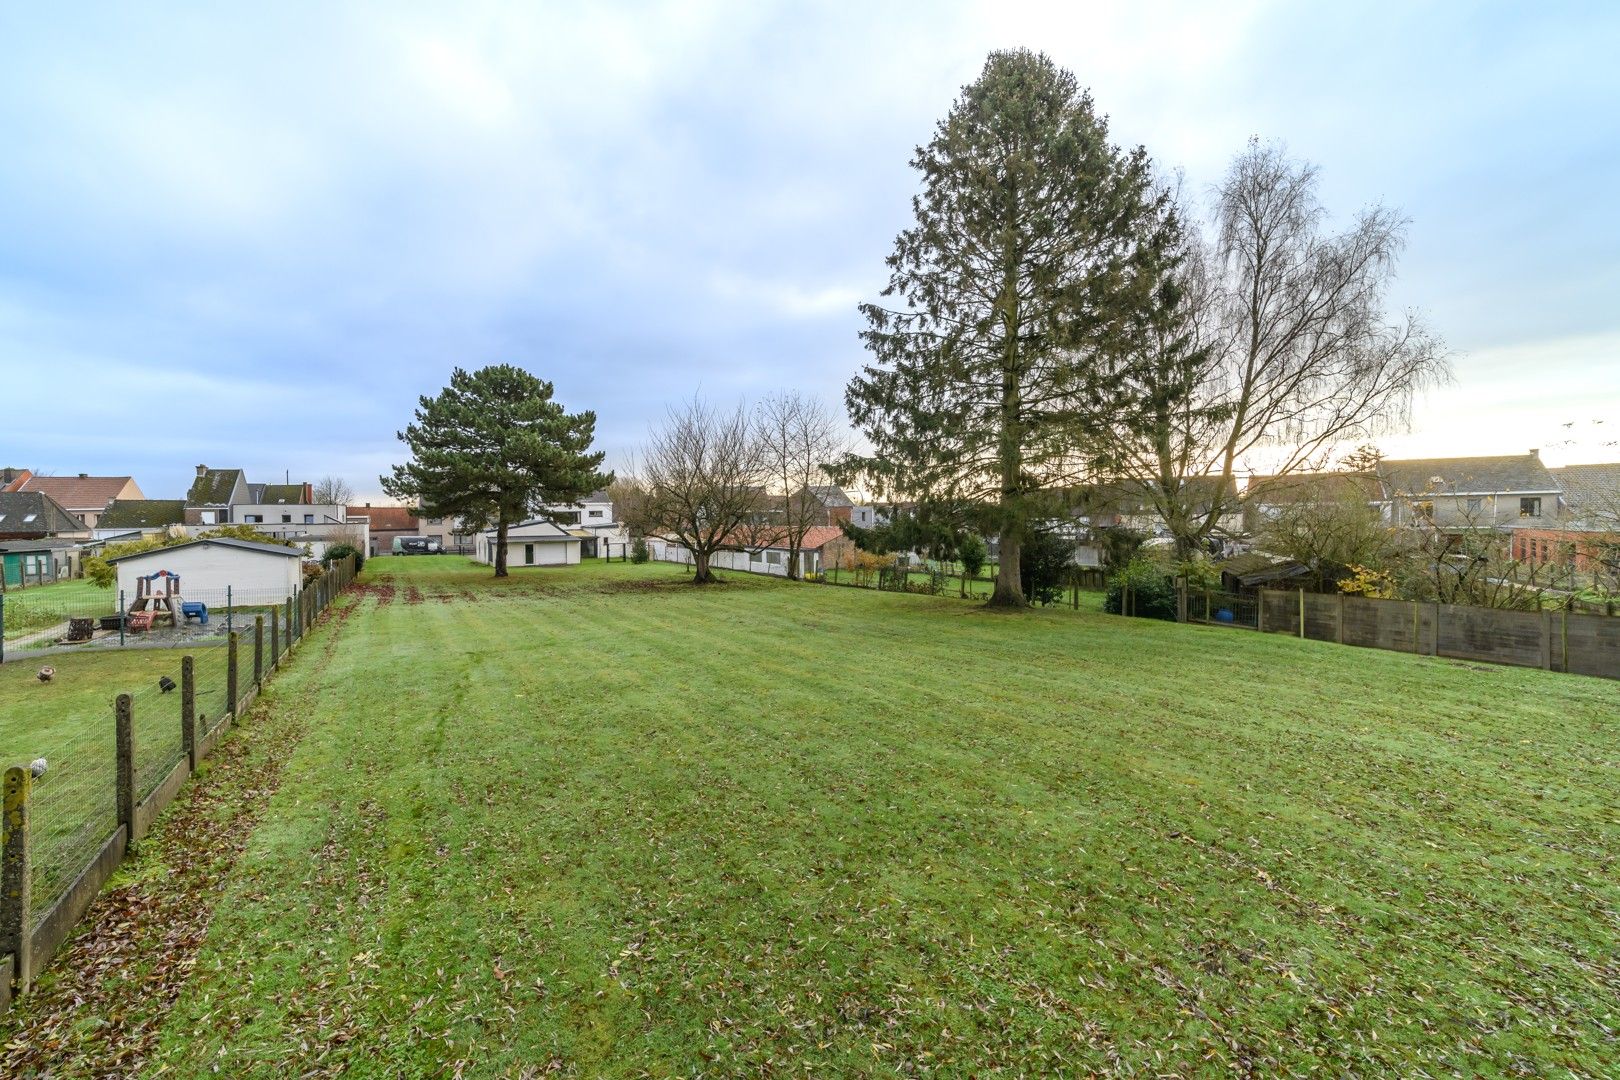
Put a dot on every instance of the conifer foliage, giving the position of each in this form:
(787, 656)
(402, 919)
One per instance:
(1014, 304)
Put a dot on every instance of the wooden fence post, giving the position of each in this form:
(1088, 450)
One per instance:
(16, 879)
(291, 634)
(124, 711)
(1417, 638)
(258, 650)
(1302, 611)
(188, 709)
(1206, 605)
(230, 676)
(1338, 631)
(1260, 611)
(1546, 640)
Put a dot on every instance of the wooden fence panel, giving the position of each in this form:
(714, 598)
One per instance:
(1322, 616)
(1593, 644)
(1491, 634)
(1384, 624)
(1281, 611)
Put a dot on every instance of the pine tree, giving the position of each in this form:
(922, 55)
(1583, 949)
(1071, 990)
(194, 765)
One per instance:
(491, 448)
(1019, 294)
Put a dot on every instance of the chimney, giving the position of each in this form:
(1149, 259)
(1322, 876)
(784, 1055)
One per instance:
(1535, 452)
(201, 469)
(84, 476)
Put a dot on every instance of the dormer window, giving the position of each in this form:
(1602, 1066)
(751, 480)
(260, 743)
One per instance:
(1530, 507)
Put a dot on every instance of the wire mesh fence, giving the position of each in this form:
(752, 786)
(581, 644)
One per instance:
(93, 783)
(77, 615)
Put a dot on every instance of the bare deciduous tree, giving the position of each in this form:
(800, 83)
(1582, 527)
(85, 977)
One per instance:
(797, 437)
(702, 477)
(1283, 342)
(332, 491)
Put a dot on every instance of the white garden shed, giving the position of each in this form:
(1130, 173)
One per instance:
(254, 573)
(533, 543)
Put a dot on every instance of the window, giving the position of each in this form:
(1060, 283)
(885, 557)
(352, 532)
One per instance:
(253, 519)
(435, 521)
(286, 519)
(29, 517)
(1475, 505)
(309, 519)
(1530, 507)
(773, 558)
(1424, 510)
(595, 513)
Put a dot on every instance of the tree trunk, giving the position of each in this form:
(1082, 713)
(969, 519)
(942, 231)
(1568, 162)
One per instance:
(700, 568)
(793, 563)
(500, 546)
(1009, 590)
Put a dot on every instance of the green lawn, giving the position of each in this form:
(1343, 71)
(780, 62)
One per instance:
(28, 611)
(595, 820)
(69, 722)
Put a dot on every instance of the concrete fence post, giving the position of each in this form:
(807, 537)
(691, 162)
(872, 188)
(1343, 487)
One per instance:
(230, 675)
(1302, 611)
(258, 650)
(1546, 640)
(291, 633)
(124, 714)
(1417, 638)
(1338, 628)
(1260, 611)
(16, 879)
(188, 709)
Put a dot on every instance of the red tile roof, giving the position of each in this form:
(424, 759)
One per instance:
(78, 492)
(400, 518)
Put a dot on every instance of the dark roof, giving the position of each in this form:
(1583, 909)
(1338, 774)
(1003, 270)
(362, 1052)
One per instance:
(599, 495)
(1592, 493)
(142, 513)
(213, 487)
(78, 492)
(1304, 487)
(830, 495)
(35, 512)
(222, 541)
(282, 493)
(1256, 567)
(1464, 475)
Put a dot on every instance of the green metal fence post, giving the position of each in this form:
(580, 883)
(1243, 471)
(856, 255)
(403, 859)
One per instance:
(123, 614)
(230, 676)
(258, 650)
(275, 641)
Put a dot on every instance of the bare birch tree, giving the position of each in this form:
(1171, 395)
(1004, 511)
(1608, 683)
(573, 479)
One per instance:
(1280, 340)
(702, 479)
(798, 436)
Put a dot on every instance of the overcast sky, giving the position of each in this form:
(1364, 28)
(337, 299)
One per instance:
(253, 235)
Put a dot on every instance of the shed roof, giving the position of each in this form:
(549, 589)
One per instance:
(1511, 474)
(142, 513)
(1257, 566)
(220, 541)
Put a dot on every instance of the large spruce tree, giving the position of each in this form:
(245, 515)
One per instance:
(1018, 296)
(493, 447)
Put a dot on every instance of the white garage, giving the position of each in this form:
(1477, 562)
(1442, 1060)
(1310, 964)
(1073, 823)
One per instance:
(533, 543)
(254, 573)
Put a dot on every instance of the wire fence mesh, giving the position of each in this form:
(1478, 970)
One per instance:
(73, 807)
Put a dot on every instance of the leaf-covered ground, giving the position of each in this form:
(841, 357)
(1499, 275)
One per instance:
(590, 821)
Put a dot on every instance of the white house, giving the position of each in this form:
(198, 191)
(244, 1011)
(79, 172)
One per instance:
(533, 543)
(254, 573)
(767, 555)
(595, 515)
